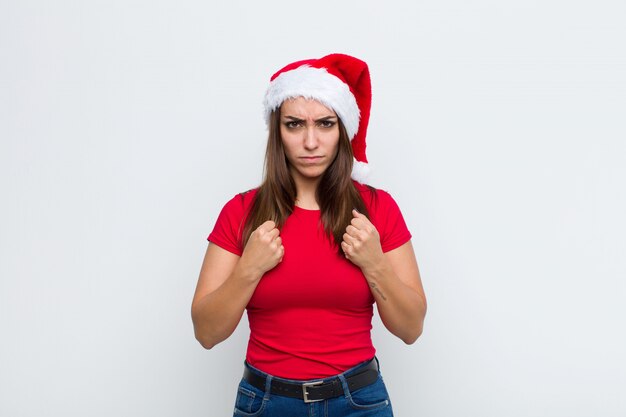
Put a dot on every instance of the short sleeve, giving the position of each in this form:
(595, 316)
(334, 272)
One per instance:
(229, 226)
(388, 220)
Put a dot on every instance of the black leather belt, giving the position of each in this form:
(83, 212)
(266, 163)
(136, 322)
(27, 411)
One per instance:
(316, 390)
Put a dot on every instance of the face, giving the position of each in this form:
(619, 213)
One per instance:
(310, 135)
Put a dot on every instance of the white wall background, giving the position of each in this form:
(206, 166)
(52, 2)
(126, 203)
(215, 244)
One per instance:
(498, 126)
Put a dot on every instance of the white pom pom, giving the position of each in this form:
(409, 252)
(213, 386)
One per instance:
(360, 171)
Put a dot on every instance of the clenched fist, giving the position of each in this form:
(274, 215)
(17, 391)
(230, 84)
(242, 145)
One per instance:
(264, 249)
(361, 242)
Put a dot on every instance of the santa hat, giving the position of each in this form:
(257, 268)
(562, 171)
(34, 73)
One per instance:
(338, 81)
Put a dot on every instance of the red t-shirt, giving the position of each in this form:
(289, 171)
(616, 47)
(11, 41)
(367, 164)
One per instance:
(311, 315)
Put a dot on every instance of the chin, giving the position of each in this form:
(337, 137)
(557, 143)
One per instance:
(311, 173)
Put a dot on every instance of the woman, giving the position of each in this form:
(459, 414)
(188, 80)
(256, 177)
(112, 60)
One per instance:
(308, 253)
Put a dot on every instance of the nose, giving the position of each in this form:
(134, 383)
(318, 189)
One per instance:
(310, 140)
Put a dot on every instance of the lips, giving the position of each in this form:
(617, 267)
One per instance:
(310, 159)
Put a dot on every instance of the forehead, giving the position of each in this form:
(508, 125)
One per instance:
(304, 107)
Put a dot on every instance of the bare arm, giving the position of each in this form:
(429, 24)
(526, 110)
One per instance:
(227, 282)
(398, 291)
(393, 278)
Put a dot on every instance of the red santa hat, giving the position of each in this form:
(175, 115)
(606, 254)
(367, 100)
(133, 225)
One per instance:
(340, 82)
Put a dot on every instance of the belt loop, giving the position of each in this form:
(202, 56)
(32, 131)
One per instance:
(344, 385)
(268, 387)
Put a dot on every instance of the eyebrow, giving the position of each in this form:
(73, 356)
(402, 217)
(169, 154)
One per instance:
(321, 119)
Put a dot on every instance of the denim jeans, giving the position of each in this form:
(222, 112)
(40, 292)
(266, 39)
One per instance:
(369, 401)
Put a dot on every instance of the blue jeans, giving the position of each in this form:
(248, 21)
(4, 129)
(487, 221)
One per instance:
(369, 401)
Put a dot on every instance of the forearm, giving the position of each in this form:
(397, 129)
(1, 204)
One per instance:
(217, 314)
(402, 309)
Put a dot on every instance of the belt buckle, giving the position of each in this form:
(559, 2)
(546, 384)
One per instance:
(305, 395)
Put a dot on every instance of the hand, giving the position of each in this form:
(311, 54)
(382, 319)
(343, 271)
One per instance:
(264, 249)
(361, 242)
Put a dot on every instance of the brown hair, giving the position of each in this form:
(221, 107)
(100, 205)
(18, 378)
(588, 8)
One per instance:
(336, 193)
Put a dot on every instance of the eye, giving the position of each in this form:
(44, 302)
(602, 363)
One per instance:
(293, 124)
(327, 123)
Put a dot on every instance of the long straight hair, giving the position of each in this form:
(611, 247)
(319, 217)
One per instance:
(336, 194)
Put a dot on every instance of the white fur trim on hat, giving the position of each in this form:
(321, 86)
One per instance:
(318, 84)
(360, 171)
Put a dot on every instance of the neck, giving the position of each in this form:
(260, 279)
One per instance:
(305, 193)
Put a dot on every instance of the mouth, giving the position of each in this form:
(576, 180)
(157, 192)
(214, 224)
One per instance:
(312, 160)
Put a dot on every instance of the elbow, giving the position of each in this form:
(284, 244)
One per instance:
(205, 339)
(409, 340)
(203, 336)
(209, 336)
(412, 337)
(205, 343)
